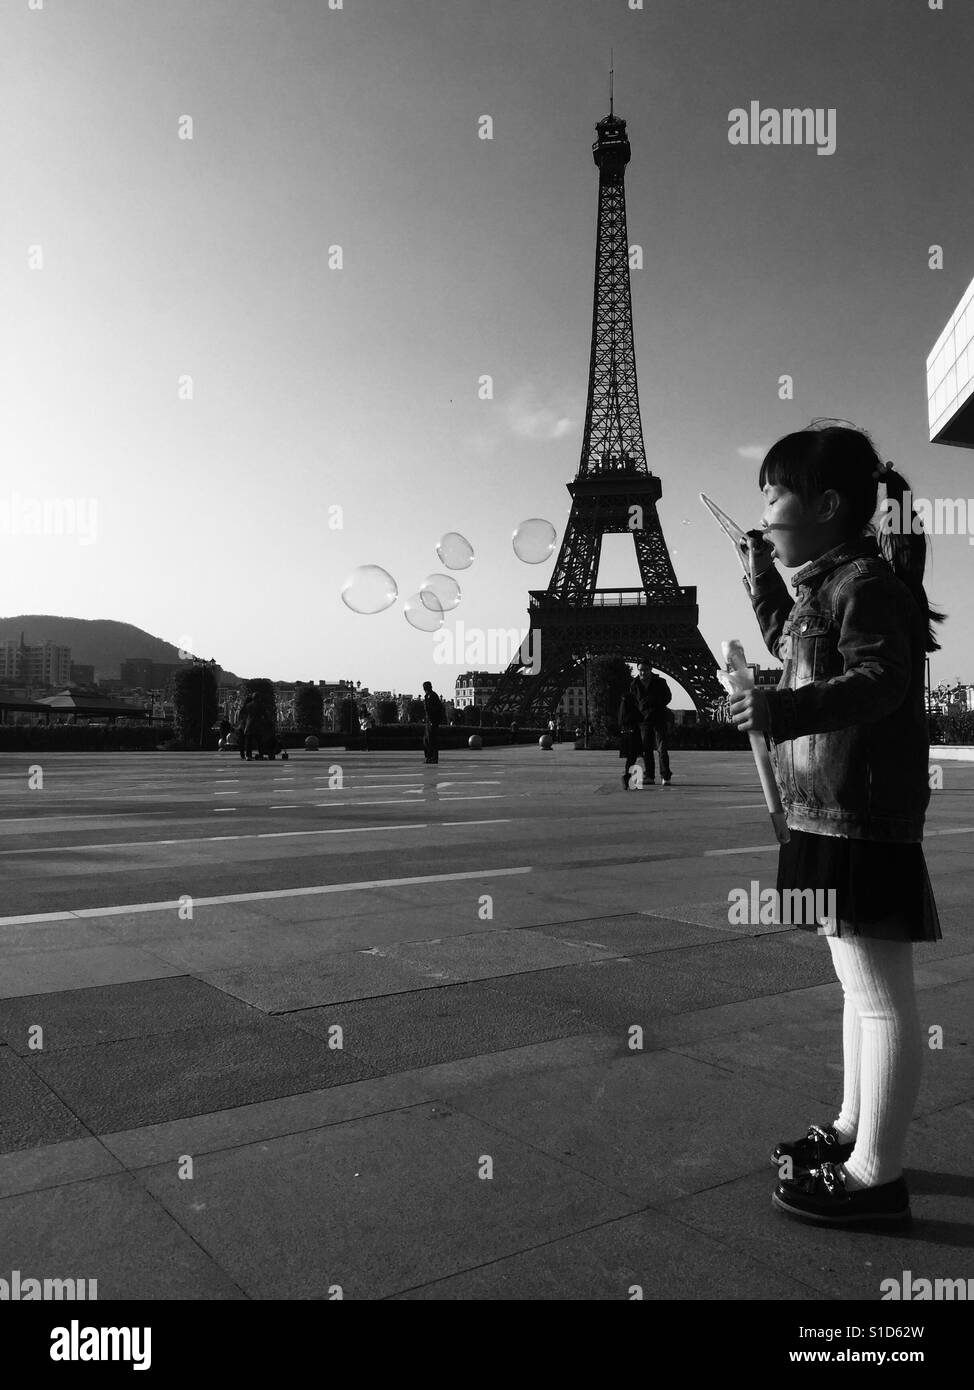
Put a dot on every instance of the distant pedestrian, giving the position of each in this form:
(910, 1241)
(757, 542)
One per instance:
(514, 731)
(643, 720)
(246, 726)
(367, 724)
(433, 711)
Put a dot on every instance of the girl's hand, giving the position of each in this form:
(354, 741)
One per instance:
(750, 711)
(760, 555)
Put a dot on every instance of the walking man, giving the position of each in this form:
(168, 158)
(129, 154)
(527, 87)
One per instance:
(643, 714)
(245, 726)
(433, 707)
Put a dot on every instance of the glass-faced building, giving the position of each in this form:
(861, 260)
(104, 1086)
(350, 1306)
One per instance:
(950, 378)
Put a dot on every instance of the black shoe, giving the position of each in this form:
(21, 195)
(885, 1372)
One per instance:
(820, 1195)
(667, 781)
(820, 1145)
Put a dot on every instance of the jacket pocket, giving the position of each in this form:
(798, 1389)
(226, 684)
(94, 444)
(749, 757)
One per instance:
(816, 648)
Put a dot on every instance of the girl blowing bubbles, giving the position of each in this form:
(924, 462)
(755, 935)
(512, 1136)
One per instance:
(851, 745)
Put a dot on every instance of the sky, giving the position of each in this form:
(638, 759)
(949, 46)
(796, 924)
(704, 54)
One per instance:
(239, 424)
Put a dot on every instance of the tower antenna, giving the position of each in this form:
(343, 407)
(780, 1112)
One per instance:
(611, 75)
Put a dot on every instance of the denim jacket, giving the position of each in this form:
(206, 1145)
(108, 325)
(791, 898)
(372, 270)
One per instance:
(849, 736)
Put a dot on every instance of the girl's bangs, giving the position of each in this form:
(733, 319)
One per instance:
(787, 465)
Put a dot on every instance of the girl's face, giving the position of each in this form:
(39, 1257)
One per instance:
(792, 528)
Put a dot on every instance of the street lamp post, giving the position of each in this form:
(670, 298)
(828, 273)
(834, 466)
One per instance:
(585, 731)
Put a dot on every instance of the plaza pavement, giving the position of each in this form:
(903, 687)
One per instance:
(485, 934)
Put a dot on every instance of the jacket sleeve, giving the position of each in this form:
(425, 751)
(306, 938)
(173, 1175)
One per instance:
(772, 603)
(665, 693)
(874, 642)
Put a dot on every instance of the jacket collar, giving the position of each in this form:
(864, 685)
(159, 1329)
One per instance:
(838, 555)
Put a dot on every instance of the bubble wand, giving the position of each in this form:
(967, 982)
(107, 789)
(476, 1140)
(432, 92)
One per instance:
(737, 678)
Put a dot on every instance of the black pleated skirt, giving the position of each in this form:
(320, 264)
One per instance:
(882, 889)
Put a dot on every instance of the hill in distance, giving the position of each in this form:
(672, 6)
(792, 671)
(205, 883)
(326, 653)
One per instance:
(99, 642)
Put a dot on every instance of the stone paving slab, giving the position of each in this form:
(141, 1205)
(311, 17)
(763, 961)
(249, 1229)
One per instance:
(108, 1229)
(633, 933)
(644, 990)
(767, 964)
(943, 970)
(713, 912)
(332, 977)
(268, 1119)
(135, 928)
(377, 1205)
(852, 1264)
(486, 954)
(322, 907)
(261, 948)
(808, 1052)
(30, 1113)
(645, 1256)
(167, 921)
(402, 1032)
(52, 1165)
(111, 1013)
(141, 1081)
(30, 938)
(37, 972)
(628, 1119)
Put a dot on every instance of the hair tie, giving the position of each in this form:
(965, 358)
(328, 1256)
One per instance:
(883, 469)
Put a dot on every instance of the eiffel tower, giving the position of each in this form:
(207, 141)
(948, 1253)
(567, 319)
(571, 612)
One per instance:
(614, 492)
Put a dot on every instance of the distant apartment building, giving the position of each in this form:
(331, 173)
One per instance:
(475, 688)
(136, 672)
(570, 709)
(343, 689)
(10, 661)
(142, 673)
(38, 663)
(950, 378)
(765, 675)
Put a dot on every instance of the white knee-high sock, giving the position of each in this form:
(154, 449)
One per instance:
(847, 1124)
(878, 978)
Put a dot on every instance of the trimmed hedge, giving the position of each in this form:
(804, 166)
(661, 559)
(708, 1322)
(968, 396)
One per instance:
(80, 738)
(451, 736)
(956, 729)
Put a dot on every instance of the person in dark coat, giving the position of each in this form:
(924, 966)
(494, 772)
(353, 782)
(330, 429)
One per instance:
(245, 726)
(433, 707)
(643, 719)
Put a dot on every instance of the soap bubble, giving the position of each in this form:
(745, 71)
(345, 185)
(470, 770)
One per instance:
(439, 592)
(369, 589)
(423, 611)
(534, 541)
(455, 551)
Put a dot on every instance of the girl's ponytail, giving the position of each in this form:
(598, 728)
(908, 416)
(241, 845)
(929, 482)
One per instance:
(903, 544)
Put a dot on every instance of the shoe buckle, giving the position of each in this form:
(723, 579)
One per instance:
(832, 1177)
